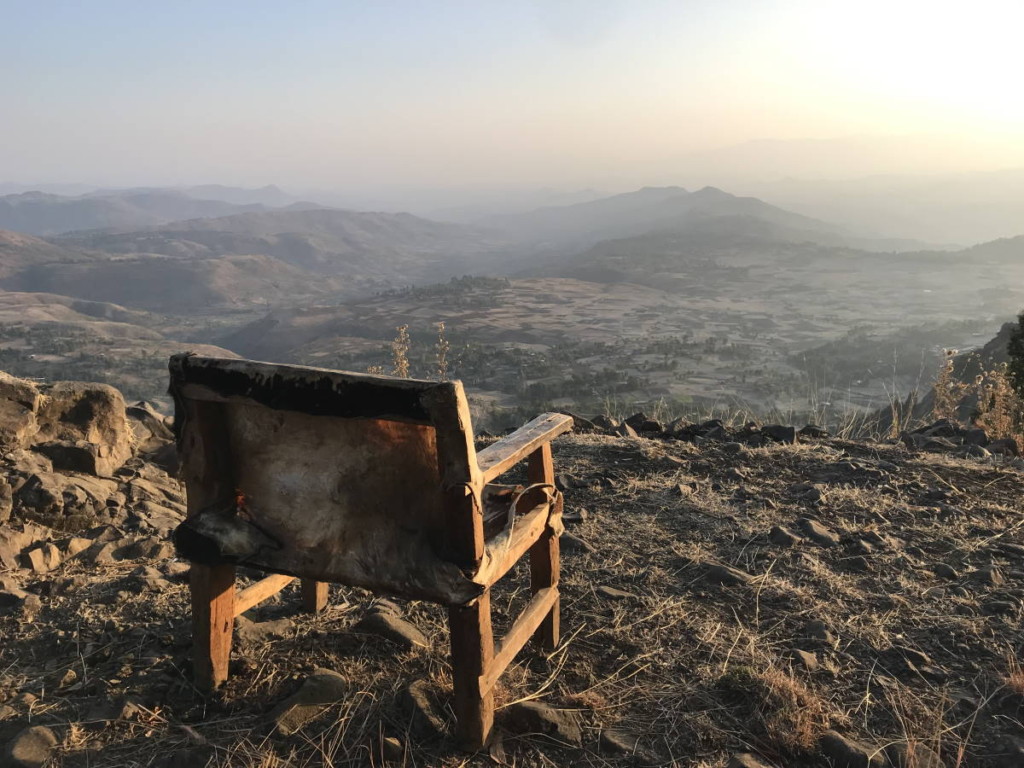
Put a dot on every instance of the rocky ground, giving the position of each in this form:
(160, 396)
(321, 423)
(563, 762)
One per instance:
(755, 596)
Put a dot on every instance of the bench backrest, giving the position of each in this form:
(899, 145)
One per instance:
(359, 479)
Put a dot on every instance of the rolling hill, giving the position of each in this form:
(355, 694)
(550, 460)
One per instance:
(38, 213)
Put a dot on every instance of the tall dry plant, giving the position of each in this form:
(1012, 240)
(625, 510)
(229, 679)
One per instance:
(441, 349)
(400, 353)
(1000, 411)
(949, 390)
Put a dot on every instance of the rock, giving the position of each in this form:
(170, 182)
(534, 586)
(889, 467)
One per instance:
(321, 689)
(973, 452)
(42, 559)
(75, 413)
(782, 537)
(625, 430)
(636, 420)
(601, 421)
(391, 627)
(74, 545)
(31, 748)
(1005, 447)
(43, 494)
(253, 632)
(813, 431)
(572, 543)
(611, 593)
(618, 741)
(537, 718)
(100, 553)
(818, 630)
(976, 436)
(7, 712)
(944, 571)
(575, 515)
(989, 576)
(846, 753)
(176, 570)
(747, 760)
(779, 433)
(912, 755)
(16, 538)
(685, 489)
(807, 492)
(817, 532)
(650, 426)
(6, 500)
(425, 714)
(718, 573)
(806, 659)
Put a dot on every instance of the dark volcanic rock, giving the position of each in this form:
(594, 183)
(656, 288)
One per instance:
(846, 753)
(537, 718)
(321, 689)
(31, 748)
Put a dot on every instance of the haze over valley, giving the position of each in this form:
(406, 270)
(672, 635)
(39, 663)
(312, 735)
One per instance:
(660, 298)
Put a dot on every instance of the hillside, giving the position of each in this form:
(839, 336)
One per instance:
(19, 251)
(724, 320)
(38, 213)
(727, 599)
(251, 260)
(48, 337)
(673, 210)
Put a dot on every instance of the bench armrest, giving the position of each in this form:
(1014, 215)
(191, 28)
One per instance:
(511, 449)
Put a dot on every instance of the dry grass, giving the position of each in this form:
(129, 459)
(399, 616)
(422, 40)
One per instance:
(697, 670)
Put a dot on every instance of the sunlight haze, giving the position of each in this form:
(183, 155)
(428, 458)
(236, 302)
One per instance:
(567, 94)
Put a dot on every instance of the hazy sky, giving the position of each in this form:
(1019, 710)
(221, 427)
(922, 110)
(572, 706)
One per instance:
(560, 92)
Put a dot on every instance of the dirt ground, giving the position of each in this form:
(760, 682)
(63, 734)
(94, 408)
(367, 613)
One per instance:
(795, 602)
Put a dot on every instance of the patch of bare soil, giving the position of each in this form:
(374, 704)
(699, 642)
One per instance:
(811, 604)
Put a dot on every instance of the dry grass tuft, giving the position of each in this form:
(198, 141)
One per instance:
(777, 707)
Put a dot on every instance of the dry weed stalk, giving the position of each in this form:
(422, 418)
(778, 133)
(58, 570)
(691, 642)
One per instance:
(441, 349)
(949, 391)
(1000, 410)
(400, 353)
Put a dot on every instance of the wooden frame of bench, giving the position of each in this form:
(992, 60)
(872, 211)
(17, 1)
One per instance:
(201, 386)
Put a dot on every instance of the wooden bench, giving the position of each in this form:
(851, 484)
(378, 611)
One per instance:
(368, 481)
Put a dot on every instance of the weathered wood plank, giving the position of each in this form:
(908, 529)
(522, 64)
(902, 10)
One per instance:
(504, 551)
(213, 618)
(519, 634)
(545, 554)
(256, 593)
(316, 391)
(314, 595)
(509, 451)
(472, 643)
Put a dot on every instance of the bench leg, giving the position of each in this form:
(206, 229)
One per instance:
(472, 652)
(545, 554)
(213, 619)
(314, 595)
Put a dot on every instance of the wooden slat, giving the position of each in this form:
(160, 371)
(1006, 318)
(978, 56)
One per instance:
(206, 468)
(531, 617)
(505, 551)
(472, 642)
(260, 591)
(314, 595)
(212, 590)
(545, 556)
(315, 391)
(509, 451)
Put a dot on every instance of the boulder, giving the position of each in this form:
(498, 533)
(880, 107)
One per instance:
(72, 414)
(321, 689)
(31, 748)
(537, 718)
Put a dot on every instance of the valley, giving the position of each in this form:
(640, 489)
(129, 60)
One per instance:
(664, 300)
